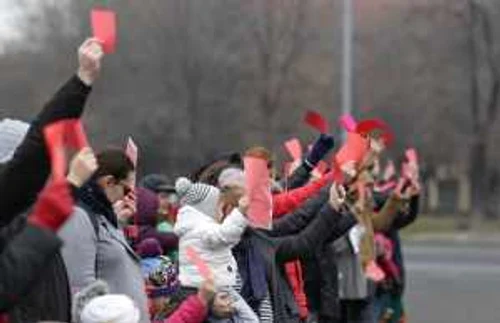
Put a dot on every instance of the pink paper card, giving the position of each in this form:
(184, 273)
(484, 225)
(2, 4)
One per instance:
(294, 148)
(411, 155)
(258, 186)
(348, 123)
(132, 151)
(203, 268)
(103, 23)
(374, 272)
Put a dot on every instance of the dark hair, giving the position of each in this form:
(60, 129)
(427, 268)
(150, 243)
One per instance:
(209, 172)
(114, 162)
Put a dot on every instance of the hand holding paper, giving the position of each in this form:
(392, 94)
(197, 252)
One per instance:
(90, 55)
(374, 272)
(104, 28)
(82, 167)
(58, 136)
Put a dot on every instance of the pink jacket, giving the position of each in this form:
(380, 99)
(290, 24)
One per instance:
(192, 310)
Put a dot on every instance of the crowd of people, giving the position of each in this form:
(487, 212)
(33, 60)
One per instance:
(99, 245)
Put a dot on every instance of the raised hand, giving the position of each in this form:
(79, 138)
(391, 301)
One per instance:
(82, 167)
(90, 55)
(337, 196)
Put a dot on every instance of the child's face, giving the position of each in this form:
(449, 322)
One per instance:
(228, 200)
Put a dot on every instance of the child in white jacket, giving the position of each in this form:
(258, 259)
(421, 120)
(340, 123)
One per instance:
(200, 226)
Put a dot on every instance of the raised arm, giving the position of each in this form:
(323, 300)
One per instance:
(298, 220)
(409, 215)
(329, 223)
(302, 174)
(228, 232)
(29, 167)
(289, 201)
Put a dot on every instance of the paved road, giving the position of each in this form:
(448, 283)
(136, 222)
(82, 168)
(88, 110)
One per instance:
(455, 283)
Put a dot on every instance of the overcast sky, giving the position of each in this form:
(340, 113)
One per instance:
(9, 12)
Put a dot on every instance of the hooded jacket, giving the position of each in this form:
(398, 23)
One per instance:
(213, 242)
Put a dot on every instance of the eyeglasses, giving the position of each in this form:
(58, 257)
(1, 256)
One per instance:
(127, 189)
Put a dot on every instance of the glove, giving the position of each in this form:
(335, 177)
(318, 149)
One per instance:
(320, 149)
(53, 207)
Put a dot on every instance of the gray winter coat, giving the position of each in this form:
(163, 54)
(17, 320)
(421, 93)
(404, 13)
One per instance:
(353, 284)
(107, 257)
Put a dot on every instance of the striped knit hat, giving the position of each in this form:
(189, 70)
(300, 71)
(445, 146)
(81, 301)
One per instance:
(12, 133)
(200, 196)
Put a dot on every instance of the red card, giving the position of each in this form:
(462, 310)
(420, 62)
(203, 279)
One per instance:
(258, 186)
(371, 126)
(104, 28)
(203, 268)
(316, 121)
(58, 136)
(294, 148)
(374, 272)
(354, 149)
(412, 156)
(132, 151)
(348, 123)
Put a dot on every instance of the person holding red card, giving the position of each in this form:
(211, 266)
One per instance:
(389, 298)
(22, 177)
(209, 233)
(95, 246)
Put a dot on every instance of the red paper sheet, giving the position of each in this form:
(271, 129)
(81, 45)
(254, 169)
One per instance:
(258, 186)
(203, 268)
(58, 136)
(354, 149)
(367, 127)
(294, 148)
(316, 121)
(104, 28)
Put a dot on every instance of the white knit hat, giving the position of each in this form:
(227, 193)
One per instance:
(110, 309)
(12, 133)
(200, 196)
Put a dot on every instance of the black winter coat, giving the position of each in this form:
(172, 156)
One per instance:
(33, 284)
(292, 237)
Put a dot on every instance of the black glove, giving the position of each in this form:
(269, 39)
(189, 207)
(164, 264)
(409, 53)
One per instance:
(320, 149)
